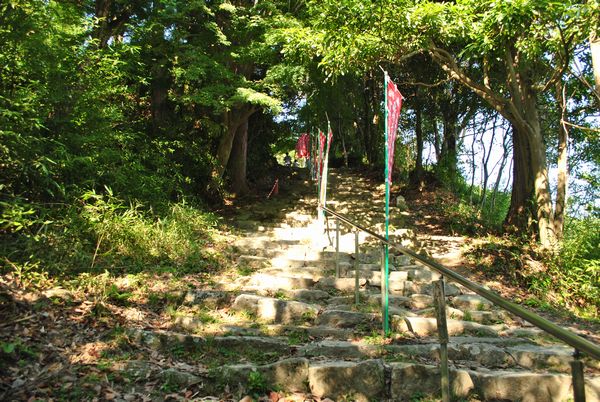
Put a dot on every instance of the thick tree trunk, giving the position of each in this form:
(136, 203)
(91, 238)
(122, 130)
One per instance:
(561, 189)
(159, 89)
(111, 22)
(225, 144)
(595, 50)
(232, 119)
(530, 198)
(502, 165)
(521, 210)
(448, 156)
(238, 158)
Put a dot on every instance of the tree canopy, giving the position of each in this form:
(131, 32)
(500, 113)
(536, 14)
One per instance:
(163, 100)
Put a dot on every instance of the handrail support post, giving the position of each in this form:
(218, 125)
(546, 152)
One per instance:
(578, 379)
(442, 326)
(356, 268)
(337, 248)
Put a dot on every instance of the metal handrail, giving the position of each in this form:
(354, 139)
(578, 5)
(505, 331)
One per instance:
(580, 344)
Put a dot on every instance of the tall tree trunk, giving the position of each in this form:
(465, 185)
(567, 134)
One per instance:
(111, 22)
(485, 161)
(159, 88)
(232, 120)
(595, 50)
(436, 140)
(472, 167)
(530, 198)
(502, 165)
(448, 155)
(521, 210)
(238, 158)
(561, 189)
(417, 175)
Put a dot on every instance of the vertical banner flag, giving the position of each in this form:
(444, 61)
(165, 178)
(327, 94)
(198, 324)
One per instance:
(302, 147)
(321, 151)
(393, 106)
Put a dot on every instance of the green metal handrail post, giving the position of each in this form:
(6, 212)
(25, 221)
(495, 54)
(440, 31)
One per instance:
(337, 247)
(356, 268)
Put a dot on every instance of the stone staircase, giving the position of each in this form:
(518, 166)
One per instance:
(286, 324)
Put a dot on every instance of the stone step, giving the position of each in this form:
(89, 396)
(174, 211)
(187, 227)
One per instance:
(340, 284)
(374, 277)
(408, 288)
(284, 262)
(265, 242)
(315, 273)
(260, 281)
(212, 299)
(269, 309)
(349, 319)
(471, 302)
(408, 379)
(375, 380)
(418, 273)
(422, 326)
(168, 340)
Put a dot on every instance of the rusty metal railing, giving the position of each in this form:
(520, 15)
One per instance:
(580, 345)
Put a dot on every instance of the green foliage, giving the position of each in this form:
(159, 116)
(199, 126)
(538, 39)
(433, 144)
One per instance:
(257, 384)
(566, 278)
(574, 273)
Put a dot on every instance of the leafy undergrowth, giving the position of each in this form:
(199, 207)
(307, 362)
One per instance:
(564, 281)
(76, 278)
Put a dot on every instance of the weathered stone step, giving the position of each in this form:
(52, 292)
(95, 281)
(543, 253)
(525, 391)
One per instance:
(471, 302)
(374, 277)
(213, 299)
(274, 310)
(408, 379)
(349, 319)
(167, 340)
(421, 274)
(315, 273)
(372, 379)
(260, 281)
(490, 355)
(341, 284)
(284, 262)
(422, 326)
(408, 288)
(264, 242)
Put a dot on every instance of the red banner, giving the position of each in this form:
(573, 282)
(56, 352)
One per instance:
(394, 104)
(302, 147)
(321, 151)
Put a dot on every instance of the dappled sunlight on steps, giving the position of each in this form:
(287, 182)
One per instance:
(286, 323)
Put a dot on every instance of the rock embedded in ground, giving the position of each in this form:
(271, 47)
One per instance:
(428, 326)
(213, 299)
(274, 310)
(408, 380)
(359, 381)
(471, 302)
(348, 319)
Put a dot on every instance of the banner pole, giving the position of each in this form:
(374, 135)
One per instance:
(385, 302)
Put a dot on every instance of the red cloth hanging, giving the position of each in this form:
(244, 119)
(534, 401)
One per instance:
(302, 147)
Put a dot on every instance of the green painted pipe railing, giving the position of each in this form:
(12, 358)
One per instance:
(568, 337)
